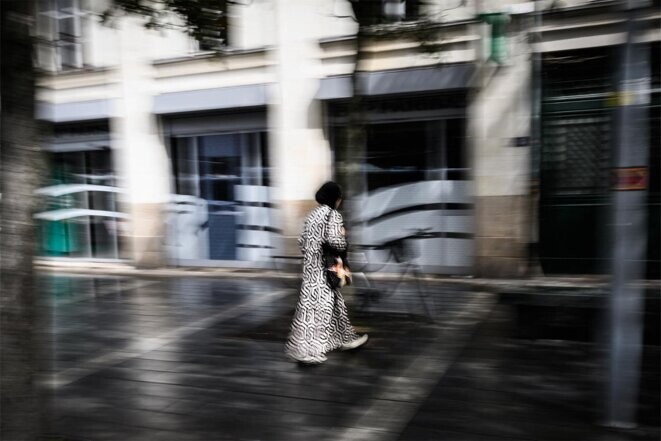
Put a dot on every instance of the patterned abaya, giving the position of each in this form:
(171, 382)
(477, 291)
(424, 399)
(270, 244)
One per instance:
(320, 322)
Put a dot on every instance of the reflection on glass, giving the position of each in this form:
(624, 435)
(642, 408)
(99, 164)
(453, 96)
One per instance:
(76, 235)
(407, 152)
(102, 232)
(210, 167)
(220, 166)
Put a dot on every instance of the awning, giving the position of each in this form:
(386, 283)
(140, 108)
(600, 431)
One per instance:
(252, 95)
(75, 111)
(57, 145)
(401, 81)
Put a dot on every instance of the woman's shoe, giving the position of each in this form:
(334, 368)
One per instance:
(354, 343)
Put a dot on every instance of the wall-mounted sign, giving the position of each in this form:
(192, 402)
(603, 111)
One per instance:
(629, 178)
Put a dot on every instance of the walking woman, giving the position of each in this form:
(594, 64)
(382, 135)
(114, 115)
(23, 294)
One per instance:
(321, 323)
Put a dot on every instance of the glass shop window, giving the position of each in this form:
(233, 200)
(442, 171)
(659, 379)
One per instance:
(406, 152)
(210, 166)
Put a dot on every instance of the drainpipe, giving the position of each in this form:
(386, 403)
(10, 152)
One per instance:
(498, 38)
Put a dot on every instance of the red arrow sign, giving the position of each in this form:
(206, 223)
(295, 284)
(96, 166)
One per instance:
(629, 178)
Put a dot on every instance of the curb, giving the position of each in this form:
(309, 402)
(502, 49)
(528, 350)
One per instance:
(489, 284)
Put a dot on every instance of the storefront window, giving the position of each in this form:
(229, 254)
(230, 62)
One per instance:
(209, 168)
(414, 192)
(406, 152)
(70, 226)
(396, 154)
(455, 149)
(220, 166)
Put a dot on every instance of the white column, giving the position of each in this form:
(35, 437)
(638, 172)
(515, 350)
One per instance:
(500, 112)
(140, 155)
(300, 154)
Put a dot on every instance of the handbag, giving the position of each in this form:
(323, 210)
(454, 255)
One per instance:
(337, 272)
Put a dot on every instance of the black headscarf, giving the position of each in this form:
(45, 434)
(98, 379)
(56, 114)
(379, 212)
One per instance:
(328, 194)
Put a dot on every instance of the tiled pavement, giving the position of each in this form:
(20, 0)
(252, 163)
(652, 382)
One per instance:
(201, 359)
(525, 389)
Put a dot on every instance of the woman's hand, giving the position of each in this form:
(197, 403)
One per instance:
(342, 272)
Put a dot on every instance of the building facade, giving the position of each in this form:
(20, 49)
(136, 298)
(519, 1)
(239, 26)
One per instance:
(164, 153)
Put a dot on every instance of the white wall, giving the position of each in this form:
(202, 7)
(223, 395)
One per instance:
(101, 41)
(499, 112)
(142, 161)
(451, 10)
(251, 25)
(300, 154)
(333, 19)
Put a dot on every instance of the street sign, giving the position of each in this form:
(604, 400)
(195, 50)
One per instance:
(629, 178)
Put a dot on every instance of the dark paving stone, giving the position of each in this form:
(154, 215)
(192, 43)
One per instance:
(230, 380)
(415, 433)
(499, 389)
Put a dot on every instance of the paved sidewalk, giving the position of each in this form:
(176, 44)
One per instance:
(200, 358)
(189, 359)
(504, 388)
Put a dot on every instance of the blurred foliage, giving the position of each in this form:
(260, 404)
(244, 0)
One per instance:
(204, 20)
(415, 22)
